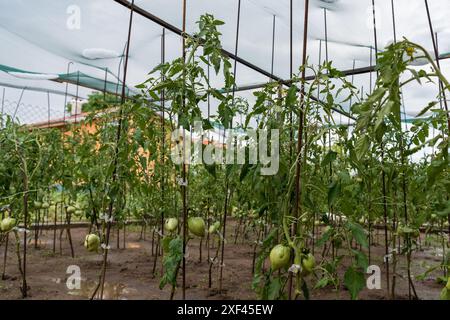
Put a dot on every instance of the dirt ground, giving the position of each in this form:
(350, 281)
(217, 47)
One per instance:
(129, 272)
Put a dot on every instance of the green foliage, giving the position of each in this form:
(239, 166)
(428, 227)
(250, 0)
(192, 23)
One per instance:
(354, 281)
(336, 178)
(98, 101)
(173, 254)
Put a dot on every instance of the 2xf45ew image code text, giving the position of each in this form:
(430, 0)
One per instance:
(226, 310)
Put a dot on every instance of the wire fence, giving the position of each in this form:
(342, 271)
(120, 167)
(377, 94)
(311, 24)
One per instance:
(26, 113)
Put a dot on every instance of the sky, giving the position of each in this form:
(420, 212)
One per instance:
(50, 36)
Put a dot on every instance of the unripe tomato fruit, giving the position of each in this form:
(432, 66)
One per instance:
(71, 209)
(37, 204)
(308, 263)
(7, 224)
(92, 242)
(171, 224)
(196, 226)
(214, 227)
(45, 205)
(280, 256)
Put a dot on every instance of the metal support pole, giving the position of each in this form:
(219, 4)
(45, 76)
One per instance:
(76, 99)
(3, 107)
(273, 44)
(116, 156)
(436, 52)
(228, 193)
(48, 109)
(163, 60)
(297, 207)
(65, 93)
(184, 185)
(291, 50)
(104, 86)
(18, 103)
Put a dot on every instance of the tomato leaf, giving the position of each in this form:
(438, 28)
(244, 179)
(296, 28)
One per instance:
(330, 157)
(322, 283)
(171, 262)
(361, 259)
(354, 281)
(361, 146)
(426, 109)
(358, 233)
(273, 292)
(334, 189)
(445, 294)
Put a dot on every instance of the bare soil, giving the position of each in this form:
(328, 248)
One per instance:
(129, 272)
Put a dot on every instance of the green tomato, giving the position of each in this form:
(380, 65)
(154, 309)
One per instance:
(196, 226)
(37, 204)
(214, 227)
(7, 224)
(45, 205)
(92, 242)
(71, 209)
(405, 231)
(171, 224)
(308, 263)
(280, 256)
